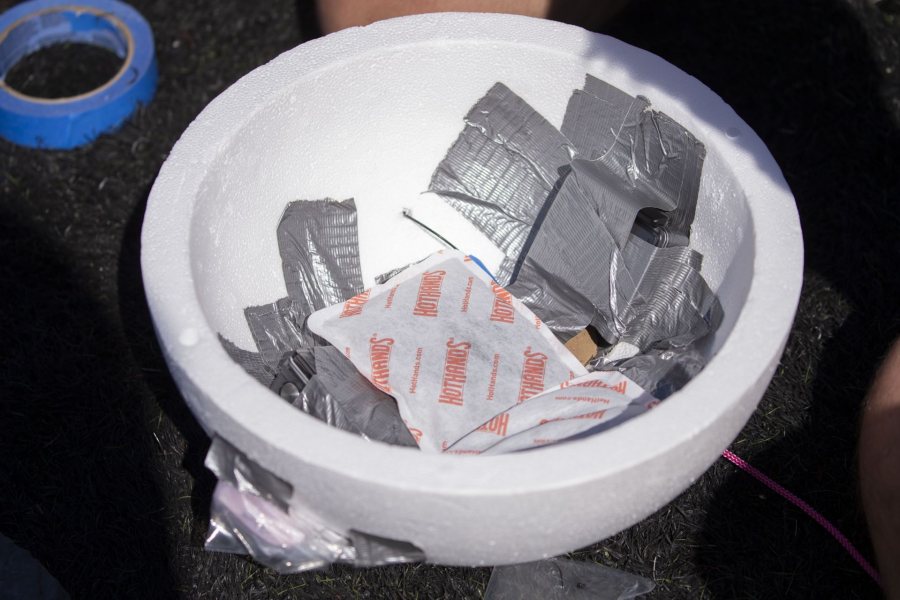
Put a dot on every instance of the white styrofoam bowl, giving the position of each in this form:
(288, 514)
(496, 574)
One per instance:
(368, 113)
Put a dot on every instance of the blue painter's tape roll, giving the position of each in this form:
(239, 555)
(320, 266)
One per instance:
(64, 123)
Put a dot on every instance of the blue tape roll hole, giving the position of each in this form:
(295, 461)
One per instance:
(63, 123)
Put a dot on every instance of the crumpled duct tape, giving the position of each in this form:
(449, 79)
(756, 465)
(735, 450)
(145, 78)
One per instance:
(648, 296)
(360, 406)
(324, 384)
(294, 373)
(319, 249)
(642, 155)
(564, 274)
(660, 372)
(251, 362)
(512, 174)
(278, 329)
(375, 551)
(502, 167)
(660, 298)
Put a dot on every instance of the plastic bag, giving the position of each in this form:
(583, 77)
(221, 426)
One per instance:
(563, 579)
(250, 514)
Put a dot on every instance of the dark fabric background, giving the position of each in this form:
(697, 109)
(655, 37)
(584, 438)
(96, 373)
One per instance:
(101, 473)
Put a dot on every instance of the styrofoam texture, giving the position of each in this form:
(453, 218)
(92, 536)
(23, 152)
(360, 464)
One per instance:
(368, 113)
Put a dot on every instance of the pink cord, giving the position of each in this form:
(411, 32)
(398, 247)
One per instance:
(809, 510)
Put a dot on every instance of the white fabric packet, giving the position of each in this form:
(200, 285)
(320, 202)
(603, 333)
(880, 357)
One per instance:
(572, 408)
(453, 347)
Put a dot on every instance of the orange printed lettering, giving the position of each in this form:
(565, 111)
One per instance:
(454, 379)
(502, 311)
(429, 294)
(497, 425)
(533, 370)
(380, 358)
(354, 305)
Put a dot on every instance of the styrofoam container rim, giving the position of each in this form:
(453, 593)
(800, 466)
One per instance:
(244, 409)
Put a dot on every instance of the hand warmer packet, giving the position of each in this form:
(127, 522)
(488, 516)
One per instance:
(453, 347)
(572, 408)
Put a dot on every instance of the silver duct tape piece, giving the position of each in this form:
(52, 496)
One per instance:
(645, 151)
(320, 258)
(619, 209)
(324, 384)
(564, 275)
(642, 295)
(642, 155)
(564, 579)
(278, 329)
(597, 115)
(380, 279)
(502, 167)
(675, 145)
(600, 127)
(347, 398)
(316, 400)
(622, 170)
(681, 310)
(376, 551)
(505, 271)
(659, 297)
(505, 118)
(660, 372)
(320, 252)
(638, 254)
(294, 373)
(295, 380)
(251, 362)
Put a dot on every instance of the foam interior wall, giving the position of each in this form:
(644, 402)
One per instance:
(367, 113)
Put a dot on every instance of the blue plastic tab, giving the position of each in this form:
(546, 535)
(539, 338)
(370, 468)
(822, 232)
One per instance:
(484, 268)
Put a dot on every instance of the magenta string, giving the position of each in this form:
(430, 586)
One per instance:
(809, 510)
